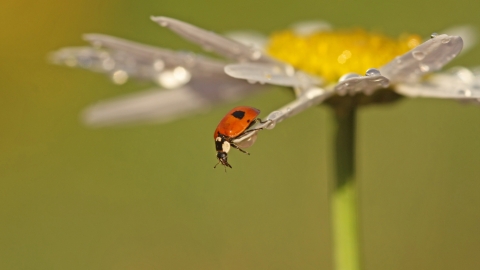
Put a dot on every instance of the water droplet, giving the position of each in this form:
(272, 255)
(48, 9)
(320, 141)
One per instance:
(433, 35)
(158, 65)
(273, 117)
(372, 72)
(256, 54)
(446, 40)
(424, 68)
(313, 93)
(418, 55)
(289, 70)
(464, 74)
(108, 63)
(181, 75)
(85, 62)
(70, 61)
(465, 92)
(173, 78)
(288, 111)
(119, 77)
(348, 76)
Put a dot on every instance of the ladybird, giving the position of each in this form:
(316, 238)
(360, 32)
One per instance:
(233, 125)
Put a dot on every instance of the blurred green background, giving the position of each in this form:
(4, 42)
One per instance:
(146, 197)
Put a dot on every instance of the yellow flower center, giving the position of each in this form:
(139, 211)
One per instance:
(331, 54)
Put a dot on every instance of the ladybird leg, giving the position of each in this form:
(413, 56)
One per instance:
(263, 122)
(224, 166)
(240, 149)
(255, 129)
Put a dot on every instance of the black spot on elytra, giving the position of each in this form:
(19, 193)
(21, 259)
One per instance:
(238, 114)
(248, 121)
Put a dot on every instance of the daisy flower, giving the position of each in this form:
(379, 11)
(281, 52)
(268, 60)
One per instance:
(342, 68)
(320, 64)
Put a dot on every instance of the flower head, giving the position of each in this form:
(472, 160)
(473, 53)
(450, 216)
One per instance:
(319, 64)
(331, 54)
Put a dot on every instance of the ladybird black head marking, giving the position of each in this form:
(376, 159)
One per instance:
(238, 114)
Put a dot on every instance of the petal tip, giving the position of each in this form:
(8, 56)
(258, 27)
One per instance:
(163, 21)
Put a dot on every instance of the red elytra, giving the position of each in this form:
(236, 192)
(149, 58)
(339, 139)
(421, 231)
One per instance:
(233, 125)
(236, 121)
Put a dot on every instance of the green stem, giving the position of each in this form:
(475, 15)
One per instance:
(342, 192)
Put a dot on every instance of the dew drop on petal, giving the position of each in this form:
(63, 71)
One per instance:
(70, 61)
(290, 70)
(181, 74)
(446, 40)
(348, 76)
(119, 77)
(158, 65)
(424, 68)
(288, 111)
(108, 64)
(313, 93)
(169, 80)
(464, 74)
(372, 72)
(465, 92)
(273, 117)
(418, 55)
(256, 54)
(433, 35)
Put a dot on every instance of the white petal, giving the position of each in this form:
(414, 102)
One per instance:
(111, 54)
(166, 105)
(312, 97)
(211, 41)
(249, 38)
(353, 84)
(309, 27)
(427, 57)
(272, 74)
(468, 33)
(459, 83)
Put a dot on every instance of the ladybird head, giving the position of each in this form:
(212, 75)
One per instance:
(222, 158)
(222, 146)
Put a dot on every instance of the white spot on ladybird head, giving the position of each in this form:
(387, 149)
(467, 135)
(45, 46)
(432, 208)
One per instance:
(218, 139)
